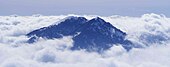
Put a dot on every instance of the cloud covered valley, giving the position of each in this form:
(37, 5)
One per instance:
(151, 31)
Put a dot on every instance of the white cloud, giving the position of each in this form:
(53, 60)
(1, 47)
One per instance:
(14, 52)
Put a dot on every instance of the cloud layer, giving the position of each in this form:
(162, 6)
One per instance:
(150, 30)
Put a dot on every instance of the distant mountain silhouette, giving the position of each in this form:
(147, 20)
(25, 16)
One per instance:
(92, 35)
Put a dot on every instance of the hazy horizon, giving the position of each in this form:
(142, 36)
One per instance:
(87, 7)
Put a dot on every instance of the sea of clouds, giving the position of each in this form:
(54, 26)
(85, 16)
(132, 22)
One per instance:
(151, 31)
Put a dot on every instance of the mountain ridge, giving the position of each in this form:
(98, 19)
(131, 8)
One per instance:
(94, 35)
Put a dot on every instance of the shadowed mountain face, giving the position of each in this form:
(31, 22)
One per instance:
(92, 35)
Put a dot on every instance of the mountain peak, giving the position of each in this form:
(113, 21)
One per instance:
(95, 34)
(97, 21)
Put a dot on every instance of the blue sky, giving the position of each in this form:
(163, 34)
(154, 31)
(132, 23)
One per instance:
(91, 7)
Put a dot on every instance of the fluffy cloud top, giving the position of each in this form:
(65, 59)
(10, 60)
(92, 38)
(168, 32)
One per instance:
(150, 30)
